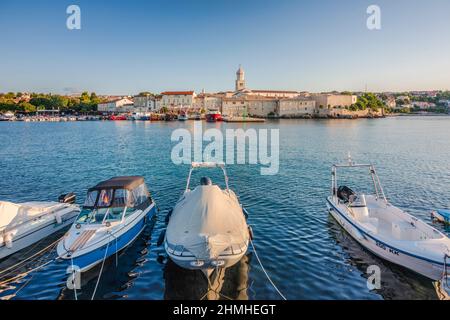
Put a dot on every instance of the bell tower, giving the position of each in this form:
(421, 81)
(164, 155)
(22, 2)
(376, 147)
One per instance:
(240, 79)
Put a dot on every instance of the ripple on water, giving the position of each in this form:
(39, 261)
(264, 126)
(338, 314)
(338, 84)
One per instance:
(303, 249)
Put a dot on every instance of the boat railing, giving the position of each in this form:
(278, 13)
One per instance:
(378, 188)
(195, 165)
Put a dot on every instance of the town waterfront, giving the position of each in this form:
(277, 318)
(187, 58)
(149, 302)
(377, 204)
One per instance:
(304, 250)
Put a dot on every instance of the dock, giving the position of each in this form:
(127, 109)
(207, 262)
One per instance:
(243, 119)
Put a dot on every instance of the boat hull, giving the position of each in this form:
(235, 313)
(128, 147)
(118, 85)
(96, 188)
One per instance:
(190, 262)
(441, 216)
(22, 241)
(421, 265)
(213, 117)
(111, 244)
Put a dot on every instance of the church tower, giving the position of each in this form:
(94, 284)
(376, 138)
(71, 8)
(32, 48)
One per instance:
(240, 79)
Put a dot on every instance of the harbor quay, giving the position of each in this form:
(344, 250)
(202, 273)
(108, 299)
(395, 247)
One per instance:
(239, 105)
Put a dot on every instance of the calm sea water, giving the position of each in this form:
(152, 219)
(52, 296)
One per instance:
(304, 250)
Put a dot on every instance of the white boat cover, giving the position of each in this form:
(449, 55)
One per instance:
(14, 214)
(206, 221)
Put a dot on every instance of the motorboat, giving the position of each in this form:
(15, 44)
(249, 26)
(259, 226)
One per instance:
(207, 228)
(114, 214)
(118, 118)
(441, 215)
(196, 116)
(8, 116)
(386, 230)
(213, 116)
(182, 117)
(24, 224)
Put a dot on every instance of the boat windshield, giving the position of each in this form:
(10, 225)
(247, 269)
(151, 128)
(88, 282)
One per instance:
(100, 215)
(112, 204)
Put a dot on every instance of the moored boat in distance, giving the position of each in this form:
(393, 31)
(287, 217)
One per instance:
(441, 215)
(196, 116)
(182, 117)
(114, 214)
(386, 230)
(207, 228)
(118, 118)
(24, 224)
(213, 116)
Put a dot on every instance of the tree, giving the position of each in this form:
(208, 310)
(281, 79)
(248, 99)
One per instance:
(85, 97)
(145, 93)
(27, 107)
(163, 110)
(10, 95)
(94, 99)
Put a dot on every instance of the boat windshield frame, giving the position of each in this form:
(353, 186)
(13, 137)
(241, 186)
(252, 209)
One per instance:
(378, 188)
(195, 165)
(131, 200)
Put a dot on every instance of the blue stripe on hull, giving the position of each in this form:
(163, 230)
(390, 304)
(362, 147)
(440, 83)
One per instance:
(97, 255)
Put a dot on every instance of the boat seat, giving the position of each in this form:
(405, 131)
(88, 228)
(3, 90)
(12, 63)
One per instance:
(370, 224)
(403, 230)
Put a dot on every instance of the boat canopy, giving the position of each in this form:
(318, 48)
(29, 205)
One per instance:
(15, 214)
(125, 182)
(118, 192)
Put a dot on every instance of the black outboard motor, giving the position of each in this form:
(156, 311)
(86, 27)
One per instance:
(344, 193)
(67, 198)
(205, 181)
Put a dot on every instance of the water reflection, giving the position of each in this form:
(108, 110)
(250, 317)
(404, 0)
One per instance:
(397, 283)
(226, 284)
(14, 269)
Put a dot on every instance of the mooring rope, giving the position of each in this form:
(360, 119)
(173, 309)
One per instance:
(29, 258)
(28, 272)
(101, 270)
(265, 272)
(210, 287)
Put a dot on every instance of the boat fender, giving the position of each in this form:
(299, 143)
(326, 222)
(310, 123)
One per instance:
(8, 239)
(250, 232)
(58, 217)
(1, 240)
(161, 237)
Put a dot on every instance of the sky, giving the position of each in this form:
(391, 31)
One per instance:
(125, 47)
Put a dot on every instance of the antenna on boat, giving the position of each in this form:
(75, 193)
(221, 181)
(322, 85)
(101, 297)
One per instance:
(349, 157)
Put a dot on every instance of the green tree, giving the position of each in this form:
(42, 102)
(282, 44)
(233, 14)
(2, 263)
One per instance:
(27, 107)
(85, 97)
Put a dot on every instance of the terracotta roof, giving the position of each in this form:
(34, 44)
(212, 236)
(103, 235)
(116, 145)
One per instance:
(115, 99)
(274, 91)
(177, 93)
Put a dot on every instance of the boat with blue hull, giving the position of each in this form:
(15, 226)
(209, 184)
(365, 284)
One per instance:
(115, 213)
(386, 230)
(441, 215)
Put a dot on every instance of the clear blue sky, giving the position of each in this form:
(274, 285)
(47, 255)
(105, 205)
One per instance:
(129, 46)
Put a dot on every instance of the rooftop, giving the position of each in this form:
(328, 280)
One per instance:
(177, 93)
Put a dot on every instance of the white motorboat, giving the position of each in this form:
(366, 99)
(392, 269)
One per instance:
(386, 230)
(114, 214)
(24, 224)
(207, 228)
